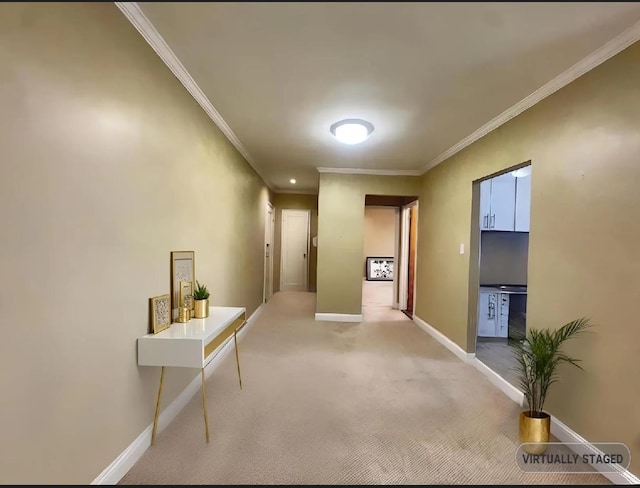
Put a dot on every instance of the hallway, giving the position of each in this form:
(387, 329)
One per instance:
(341, 403)
(377, 298)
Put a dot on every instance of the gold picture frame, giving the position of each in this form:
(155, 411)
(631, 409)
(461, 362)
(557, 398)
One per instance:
(160, 310)
(186, 291)
(183, 268)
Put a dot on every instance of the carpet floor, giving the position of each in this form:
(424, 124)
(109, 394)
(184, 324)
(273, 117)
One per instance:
(342, 403)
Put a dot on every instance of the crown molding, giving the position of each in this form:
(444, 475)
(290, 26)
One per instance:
(608, 50)
(365, 171)
(134, 14)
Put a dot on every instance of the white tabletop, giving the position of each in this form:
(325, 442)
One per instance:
(184, 344)
(218, 319)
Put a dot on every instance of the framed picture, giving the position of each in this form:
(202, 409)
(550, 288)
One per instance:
(186, 293)
(160, 313)
(182, 269)
(379, 268)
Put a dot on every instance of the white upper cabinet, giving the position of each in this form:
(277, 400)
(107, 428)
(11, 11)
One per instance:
(523, 203)
(498, 203)
(485, 204)
(505, 201)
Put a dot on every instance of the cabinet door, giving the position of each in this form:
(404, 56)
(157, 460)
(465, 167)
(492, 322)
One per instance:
(487, 314)
(485, 204)
(503, 202)
(523, 203)
(502, 322)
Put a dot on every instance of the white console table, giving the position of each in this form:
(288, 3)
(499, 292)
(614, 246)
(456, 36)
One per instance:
(191, 345)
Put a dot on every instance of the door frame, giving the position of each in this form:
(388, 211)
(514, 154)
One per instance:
(475, 254)
(403, 294)
(395, 303)
(282, 246)
(403, 262)
(269, 230)
(415, 259)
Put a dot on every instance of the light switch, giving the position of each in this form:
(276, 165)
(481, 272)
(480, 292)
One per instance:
(462, 248)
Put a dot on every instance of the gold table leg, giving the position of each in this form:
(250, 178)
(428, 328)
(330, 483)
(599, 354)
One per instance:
(204, 407)
(155, 420)
(235, 340)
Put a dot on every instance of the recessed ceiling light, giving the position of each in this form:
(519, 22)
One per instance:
(352, 131)
(292, 181)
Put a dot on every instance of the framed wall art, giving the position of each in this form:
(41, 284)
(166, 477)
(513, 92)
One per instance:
(183, 268)
(379, 268)
(160, 308)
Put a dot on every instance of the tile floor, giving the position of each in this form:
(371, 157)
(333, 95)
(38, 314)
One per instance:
(498, 355)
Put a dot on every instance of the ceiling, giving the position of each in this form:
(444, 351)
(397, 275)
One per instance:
(426, 75)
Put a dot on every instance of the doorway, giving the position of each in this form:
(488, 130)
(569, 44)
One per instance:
(381, 231)
(408, 257)
(498, 286)
(269, 225)
(294, 259)
(385, 261)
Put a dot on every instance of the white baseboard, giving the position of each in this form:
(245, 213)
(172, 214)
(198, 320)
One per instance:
(558, 429)
(339, 317)
(507, 388)
(444, 340)
(580, 445)
(469, 357)
(113, 473)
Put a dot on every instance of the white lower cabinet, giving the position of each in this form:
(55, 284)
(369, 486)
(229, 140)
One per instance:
(502, 327)
(493, 314)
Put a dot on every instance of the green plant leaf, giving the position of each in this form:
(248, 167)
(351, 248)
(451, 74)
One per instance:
(200, 292)
(537, 358)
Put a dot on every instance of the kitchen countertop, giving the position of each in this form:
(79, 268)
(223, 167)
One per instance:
(510, 289)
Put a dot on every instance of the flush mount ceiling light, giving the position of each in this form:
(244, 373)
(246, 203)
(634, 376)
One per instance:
(352, 131)
(522, 172)
(292, 181)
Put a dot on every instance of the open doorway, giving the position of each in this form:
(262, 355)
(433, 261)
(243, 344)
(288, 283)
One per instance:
(382, 258)
(269, 225)
(500, 243)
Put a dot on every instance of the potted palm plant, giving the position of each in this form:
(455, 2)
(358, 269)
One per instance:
(201, 301)
(538, 356)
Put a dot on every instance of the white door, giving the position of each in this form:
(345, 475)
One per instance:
(295, 250)
(269, 224)
(523, 203)
(503, 202)
(403, 261)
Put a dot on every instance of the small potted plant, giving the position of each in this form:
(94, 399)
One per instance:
(538, 356)
(201, 301)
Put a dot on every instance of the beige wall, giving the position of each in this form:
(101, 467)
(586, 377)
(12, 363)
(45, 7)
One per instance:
(108, 164)
(584, 142)
(341, 232)
(504, 257)
(295, 201)
(379, 233)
